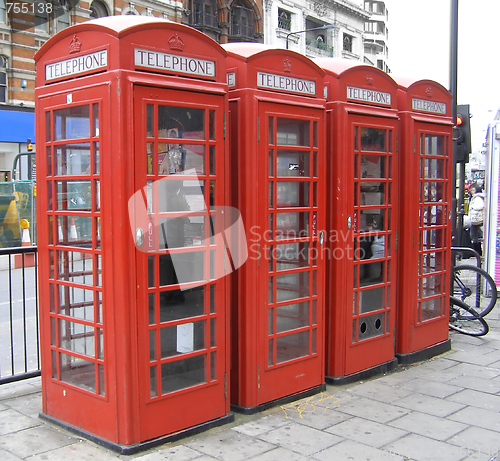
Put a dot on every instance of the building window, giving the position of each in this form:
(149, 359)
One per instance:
(348, 39)
(62, 18)
(284, 19)
(41, 20)
(98, 9)
(3, 79)
(241, 21)
(3, 14)
(205, 13)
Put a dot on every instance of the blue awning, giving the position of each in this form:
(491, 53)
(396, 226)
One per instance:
(16, 126)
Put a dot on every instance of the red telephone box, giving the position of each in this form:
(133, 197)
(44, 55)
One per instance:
(131, 166)
(425, 237)
(362, 152)
(277, 162)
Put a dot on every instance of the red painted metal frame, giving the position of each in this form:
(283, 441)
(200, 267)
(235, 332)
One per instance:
(119, 416)
(253, 384)
(344, 359)
(413, 333)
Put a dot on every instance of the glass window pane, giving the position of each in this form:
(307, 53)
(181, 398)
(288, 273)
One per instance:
(74, 231)
(434, 168)
(291, 132)
(292, 316)
(150, 121)
(292, 286)
(373, 167)
(75, 267)
(371, 300)
(78, 372)
(292, 194)
(292, 346)
(180, 195)
(76, 337)
(182, 339)
(76, 302)
(373, 139)
(291, 163)
(181, 268)
(181, 122)
(181, 374)
(434, 145)
(176, 158)
(291, 255)
(292, 225)
(177, 304)
(72, 123)
(72, 159)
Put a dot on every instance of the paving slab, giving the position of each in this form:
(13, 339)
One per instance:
(428, 425)
(35, 440)
(476, 399)
(12, 421)
(432, 388)
(478, 440)
(279, 454)
(378, 390)
(375, 411)
(80, 450)
(355, 451)
(230, 446)
(478, 417)
(431, 405)
(367, 432)
(300, 439)
(419, 448)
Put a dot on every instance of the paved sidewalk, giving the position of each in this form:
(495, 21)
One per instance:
(444, 409)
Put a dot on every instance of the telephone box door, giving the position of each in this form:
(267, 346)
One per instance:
(432, 162)
(179, 172)
(370, 323)
(291, 274)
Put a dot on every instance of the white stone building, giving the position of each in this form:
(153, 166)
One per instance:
(351, 29)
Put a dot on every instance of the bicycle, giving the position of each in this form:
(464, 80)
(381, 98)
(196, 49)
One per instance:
(474, 286)
(465, 319)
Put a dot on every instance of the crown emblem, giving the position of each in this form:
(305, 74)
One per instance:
(176, 43)
(428, 91)
(369, 79)
(287, 65)
(75, 45)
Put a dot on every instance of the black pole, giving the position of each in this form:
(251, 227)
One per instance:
(456, 228)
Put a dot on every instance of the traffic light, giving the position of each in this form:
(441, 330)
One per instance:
(462, 134)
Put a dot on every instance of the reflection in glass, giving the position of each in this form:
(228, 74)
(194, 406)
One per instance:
(76, 337)
(181, 374)
(430, 309)
(74, 231)
(291, 132)
(181, 231)
(180, 195)
(149, 121)
(95, 120)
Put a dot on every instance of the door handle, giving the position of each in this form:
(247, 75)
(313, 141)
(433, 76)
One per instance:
(321, 238)
(139, 237)
(349, 222)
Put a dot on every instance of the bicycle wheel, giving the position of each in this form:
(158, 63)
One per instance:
(475, 287)
(466, 320)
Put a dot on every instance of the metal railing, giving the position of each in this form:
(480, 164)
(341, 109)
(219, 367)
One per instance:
(19, 327)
